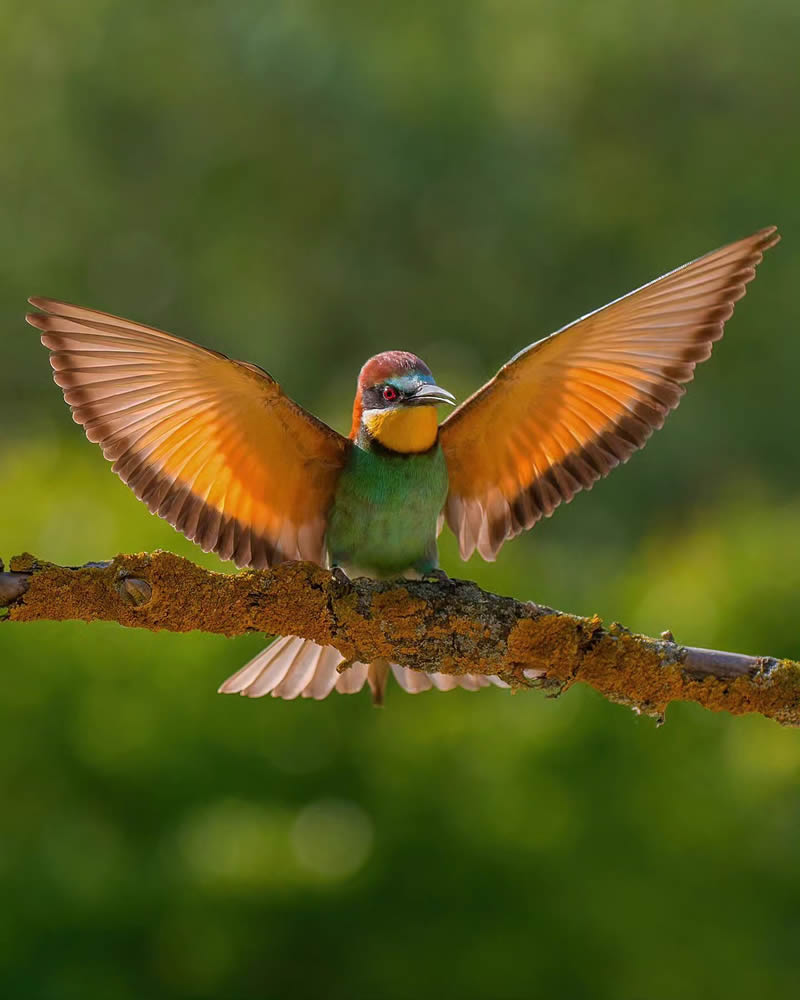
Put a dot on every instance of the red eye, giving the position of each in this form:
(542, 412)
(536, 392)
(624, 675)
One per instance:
(389, 393)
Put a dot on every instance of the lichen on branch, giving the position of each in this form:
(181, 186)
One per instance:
(450, 626)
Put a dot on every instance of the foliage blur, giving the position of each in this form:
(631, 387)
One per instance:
(302, 184)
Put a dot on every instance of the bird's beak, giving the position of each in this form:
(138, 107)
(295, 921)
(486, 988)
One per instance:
(430, 395)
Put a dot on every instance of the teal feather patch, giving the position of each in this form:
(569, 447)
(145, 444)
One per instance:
(384, 516)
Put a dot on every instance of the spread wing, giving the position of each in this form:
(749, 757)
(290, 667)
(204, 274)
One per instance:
(566, 410)
(211, 445)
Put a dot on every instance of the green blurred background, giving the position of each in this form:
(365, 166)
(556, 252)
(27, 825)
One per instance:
(302, 184)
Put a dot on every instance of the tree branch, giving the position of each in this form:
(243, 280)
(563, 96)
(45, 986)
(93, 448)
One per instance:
(454, 627)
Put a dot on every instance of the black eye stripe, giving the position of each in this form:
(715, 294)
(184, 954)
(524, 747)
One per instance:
(373, 397)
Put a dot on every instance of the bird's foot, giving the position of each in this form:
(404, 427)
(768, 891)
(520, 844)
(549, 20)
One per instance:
(340, 576)
(439, 576)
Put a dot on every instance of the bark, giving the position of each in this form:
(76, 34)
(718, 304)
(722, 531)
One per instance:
(452, 626)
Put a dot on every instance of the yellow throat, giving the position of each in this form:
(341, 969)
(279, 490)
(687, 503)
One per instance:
(406, 429)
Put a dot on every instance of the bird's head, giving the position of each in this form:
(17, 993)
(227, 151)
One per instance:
(396, 402)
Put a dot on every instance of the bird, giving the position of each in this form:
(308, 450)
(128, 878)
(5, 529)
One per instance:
(215, 447)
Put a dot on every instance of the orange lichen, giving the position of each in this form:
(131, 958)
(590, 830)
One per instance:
(548, 643)
(454, 627)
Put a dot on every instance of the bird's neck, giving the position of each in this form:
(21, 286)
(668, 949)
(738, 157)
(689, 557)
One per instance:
(406, 430)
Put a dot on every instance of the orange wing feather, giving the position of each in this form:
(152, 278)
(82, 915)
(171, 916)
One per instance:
(211, 445)
(568, 409)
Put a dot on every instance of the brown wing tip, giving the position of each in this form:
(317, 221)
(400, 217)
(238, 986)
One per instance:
(39, 320)
(41, 302)
(48, 307)
(55, 306)
(766, 237)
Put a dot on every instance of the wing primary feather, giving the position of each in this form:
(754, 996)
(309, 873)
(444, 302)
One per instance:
(195, 435)
(567, 409)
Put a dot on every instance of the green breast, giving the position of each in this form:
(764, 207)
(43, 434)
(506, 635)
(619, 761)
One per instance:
(383, 519)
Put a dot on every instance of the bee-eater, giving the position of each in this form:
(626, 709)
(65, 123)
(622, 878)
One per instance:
(216, 448)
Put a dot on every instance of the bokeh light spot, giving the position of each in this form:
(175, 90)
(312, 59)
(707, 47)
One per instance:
(332, 838)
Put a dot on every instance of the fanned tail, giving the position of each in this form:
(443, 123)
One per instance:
(293, 667)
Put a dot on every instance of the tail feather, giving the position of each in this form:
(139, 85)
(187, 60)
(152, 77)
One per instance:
(377, 676)
(324, 680)
(300, 673)
(257, 673)
(351, 680)
(292, 667)
(412, 681)
(444, 682)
